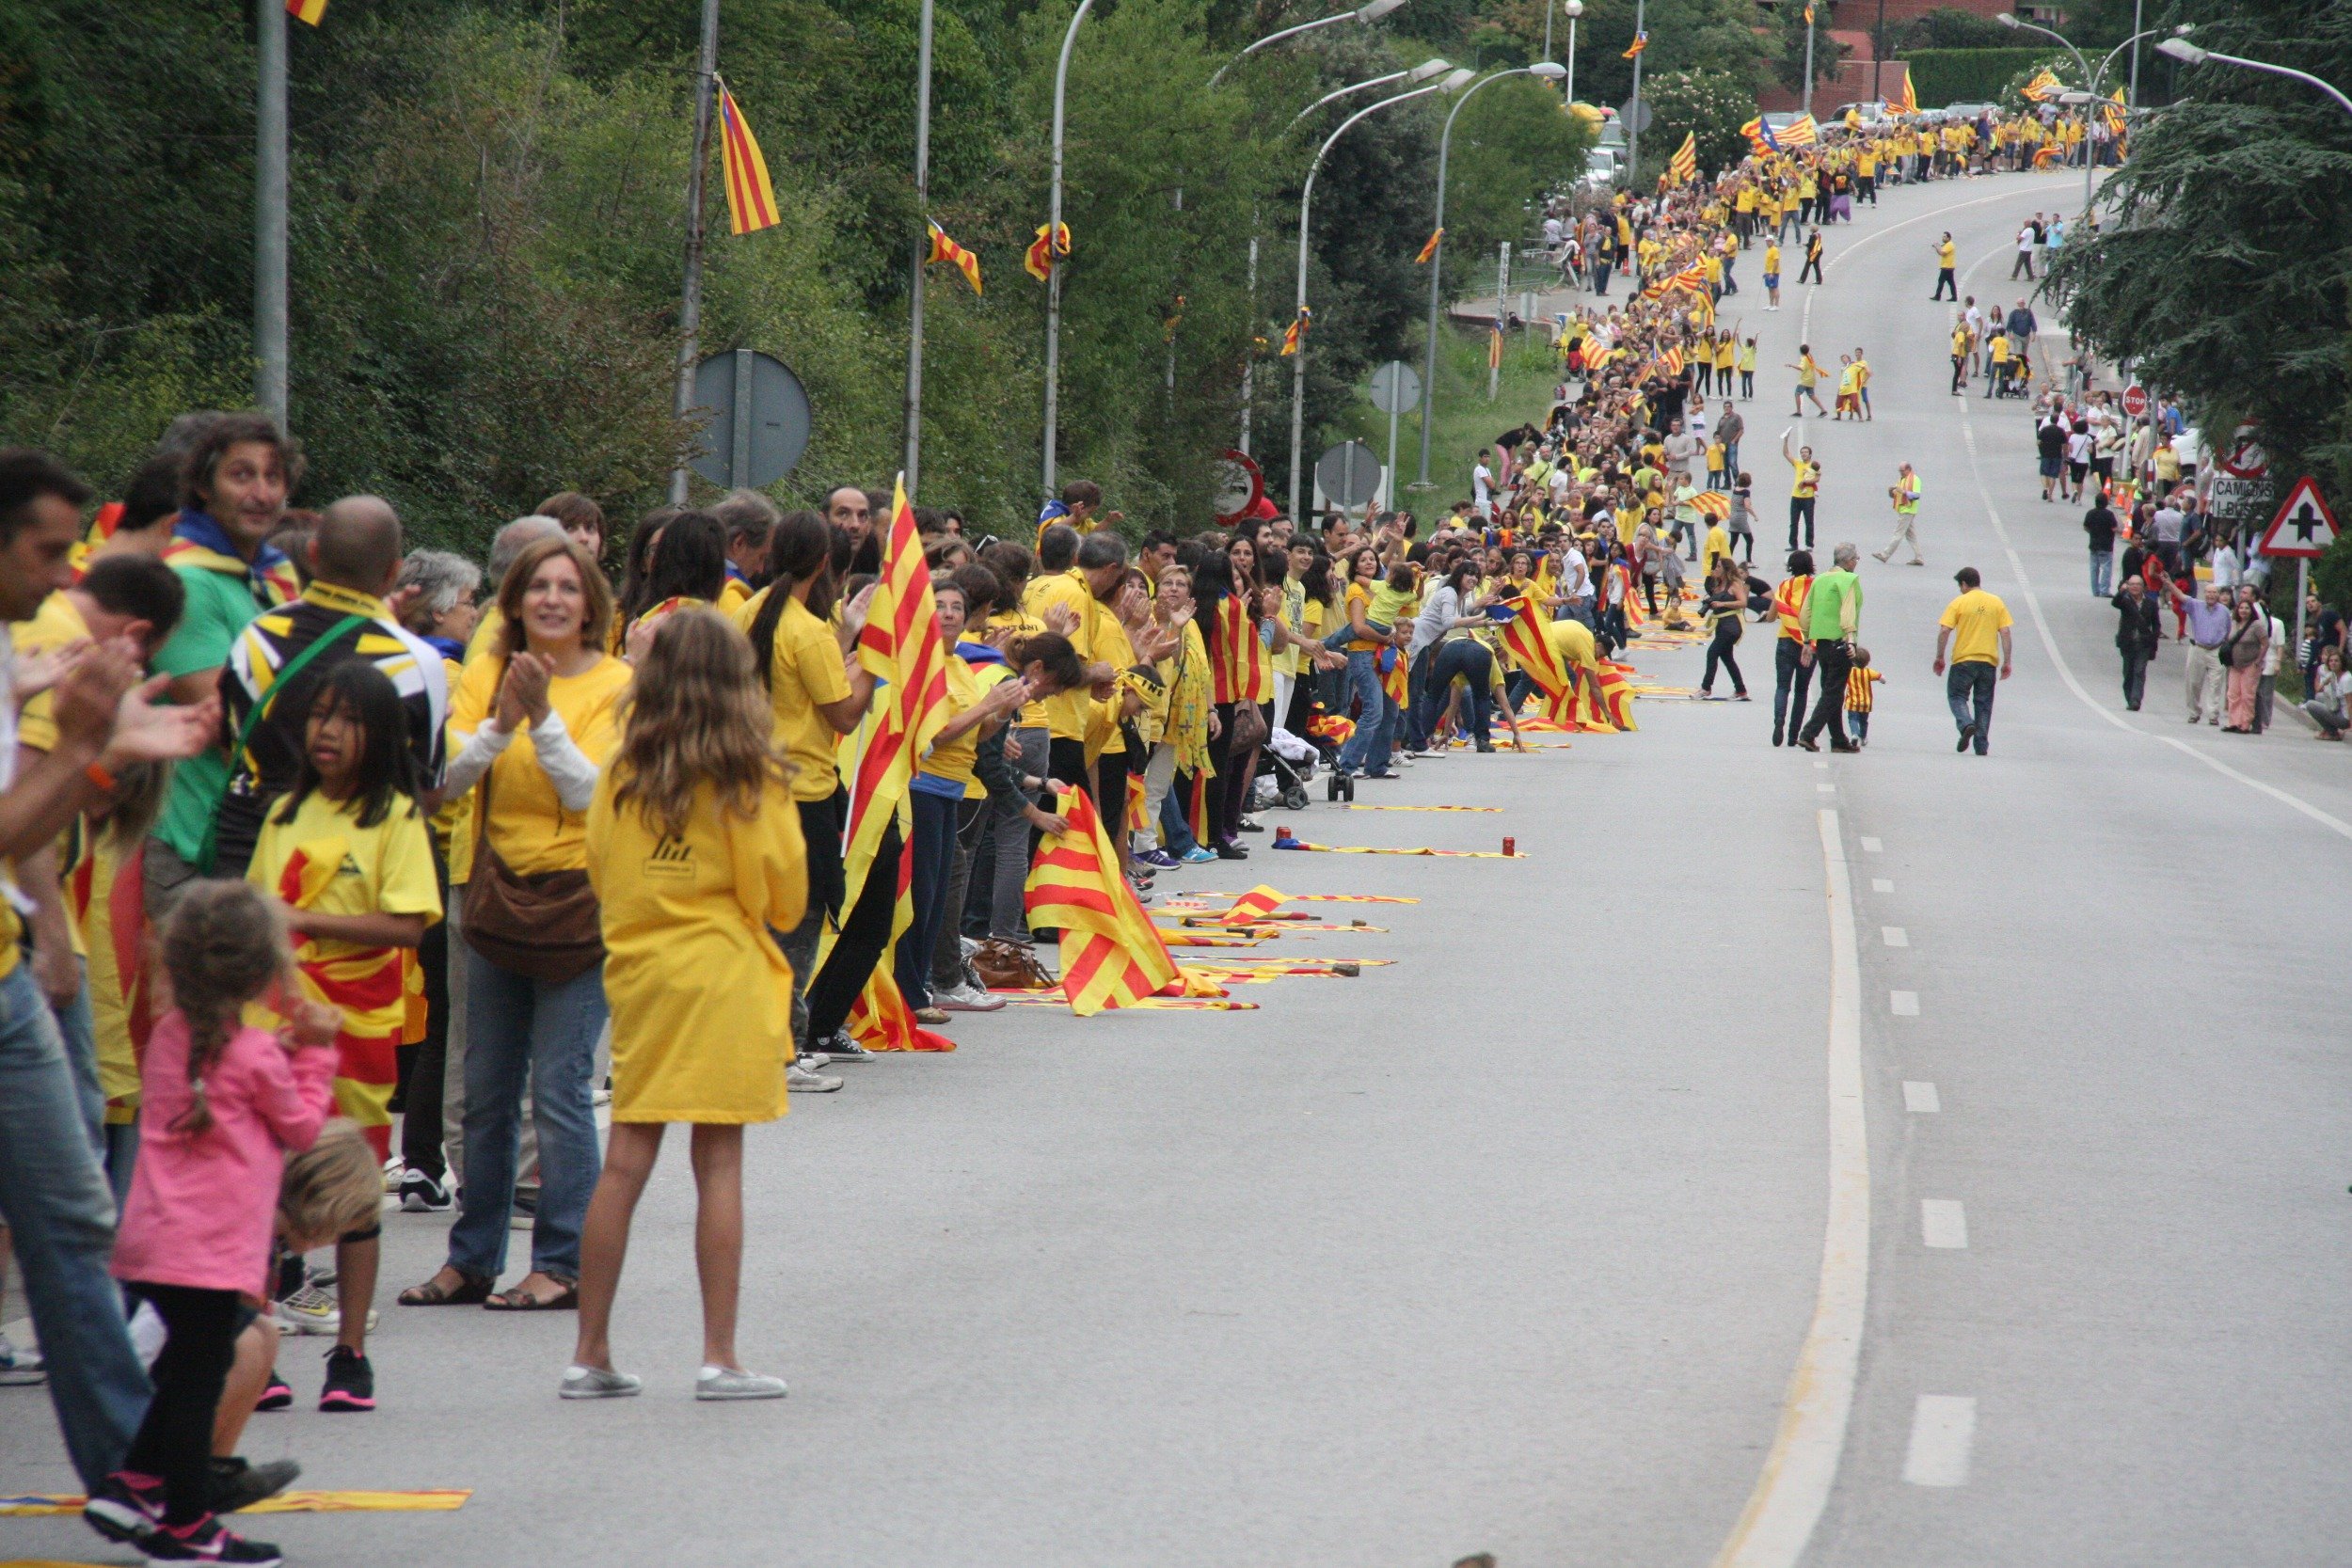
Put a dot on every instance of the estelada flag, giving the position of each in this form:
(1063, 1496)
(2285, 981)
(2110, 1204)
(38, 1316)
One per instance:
(311, 11)
(1040, 257)
(1112, 956)
(750, 197)
(946, 249)
(1297, 331)
(1640, 41)
(1429, 247)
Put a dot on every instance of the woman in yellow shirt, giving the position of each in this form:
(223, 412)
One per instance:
(689, 567)
(696, 855)
(533, 721)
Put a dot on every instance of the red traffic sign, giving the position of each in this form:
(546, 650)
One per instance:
(1240, 486)
(2134, 399)
(2304, 525)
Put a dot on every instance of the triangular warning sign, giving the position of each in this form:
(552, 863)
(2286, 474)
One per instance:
(2304, 525)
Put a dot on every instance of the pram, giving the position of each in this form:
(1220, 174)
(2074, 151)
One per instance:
(1289, 765)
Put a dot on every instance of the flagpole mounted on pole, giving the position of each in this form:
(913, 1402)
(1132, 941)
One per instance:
(922, 252)
(269, 211)
(690, 316)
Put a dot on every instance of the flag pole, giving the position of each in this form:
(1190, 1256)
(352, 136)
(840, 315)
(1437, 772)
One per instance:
(1053, 249)
(690, 316)
(269, 211)
(1634, 112)
(922, 252)
(1502, 285)
(1808, 59)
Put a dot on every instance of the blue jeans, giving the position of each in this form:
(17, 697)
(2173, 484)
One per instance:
(1175, 829)
(79, 1029)
(517, 1027)
(1368, 748)
(1969, 689)
(57, 1206)
(934, 865)
(1476, 666)
(2103, 573)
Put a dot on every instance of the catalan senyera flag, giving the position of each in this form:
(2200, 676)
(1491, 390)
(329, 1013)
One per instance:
(311, 11)
(1691, 280)
(365, 983)
(1257, 903)
(1112, 956)
(1640, 41)
(1683, 167)
(2044, 86)
(1712, 503)
(946, 249)
(1906, 99)
(1808, 16)
(1523, 636)
(1039, 260)
(2112, 113)
(1429, 247)
(1296, 333)
(2048, 157)
(1800, 132)
(1670, 362)
(751, 197)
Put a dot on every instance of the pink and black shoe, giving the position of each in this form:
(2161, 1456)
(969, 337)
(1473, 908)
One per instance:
(350, 1381)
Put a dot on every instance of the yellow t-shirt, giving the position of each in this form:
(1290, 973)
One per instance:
(805, 669)
(55, 624)
(1946, 254)
(1975, 620)
(1358, 593)
(325, 863)
(1068, 714)
(1808, 480)
(733, 595)
(1771, 259)
(954, 759)
(1718, 545)
(701, 996)
(529, 825)
(2000, 349)
(90, 887)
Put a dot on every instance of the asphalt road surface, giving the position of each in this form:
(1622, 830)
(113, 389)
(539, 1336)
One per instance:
(1517, 1244)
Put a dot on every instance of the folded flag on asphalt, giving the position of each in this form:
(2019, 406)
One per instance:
(1256, 904)
(1112, 956)
(946, 249)
(750, 197)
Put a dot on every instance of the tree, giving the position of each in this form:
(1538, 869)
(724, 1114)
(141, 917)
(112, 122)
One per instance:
(1950, 27)
(2222, 265)
(1710, 105)
(1788, 56)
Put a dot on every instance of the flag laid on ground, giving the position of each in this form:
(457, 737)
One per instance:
(1800, 132)
(1040, 259)
(311, 11)
(946, 249)
(1683, 167)
(751, 199)
(2044, 86)
(1256, 904)
(1112, 956)
(1429, 247)
(1296, 333)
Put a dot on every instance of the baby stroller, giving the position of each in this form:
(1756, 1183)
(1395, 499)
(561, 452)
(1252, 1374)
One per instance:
(1288, 765)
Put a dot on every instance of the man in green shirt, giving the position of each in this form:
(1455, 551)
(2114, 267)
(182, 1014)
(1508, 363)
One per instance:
(1833, 615)
(233, 498)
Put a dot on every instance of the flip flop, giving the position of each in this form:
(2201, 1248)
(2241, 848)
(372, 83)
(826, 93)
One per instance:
(521, 1300)
(468, 1292)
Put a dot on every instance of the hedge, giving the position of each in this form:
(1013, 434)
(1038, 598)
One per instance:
(1942, 77)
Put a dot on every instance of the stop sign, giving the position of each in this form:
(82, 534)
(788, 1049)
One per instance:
(2134, 399)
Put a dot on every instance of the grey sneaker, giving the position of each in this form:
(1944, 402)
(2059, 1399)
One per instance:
(801, 1080)
(732, 1382)
(966, 999)
(18, 1367)
(597, 1383)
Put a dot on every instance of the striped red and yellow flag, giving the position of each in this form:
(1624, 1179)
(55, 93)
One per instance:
(1906, 99)
(946, 249)
(1691, 280)
(880, 1019)
(1640, 41)
(1429, 247)
(750, 197)
(1800, 132)
(1256, 904)
(1683, 167)
(1297, 331)
(311, 11)
(1112, 956)
(1712, 503)
(1039, 260)
(1523, 636)
(1670, 362)
(1237, 669)
(1494, 347)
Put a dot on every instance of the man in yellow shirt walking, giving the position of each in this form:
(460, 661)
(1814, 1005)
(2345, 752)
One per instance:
(1946, 258)
(1975, 632)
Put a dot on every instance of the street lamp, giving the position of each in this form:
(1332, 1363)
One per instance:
(2188, 54)
(1053, 249)
(1550, 73)
(2093, 79)
(1452, 82)
(1571, 10)
(1415, 76)
(1366, 14)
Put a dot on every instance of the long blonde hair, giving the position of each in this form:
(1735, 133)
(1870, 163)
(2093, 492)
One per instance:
(697, 715)
(225, 946)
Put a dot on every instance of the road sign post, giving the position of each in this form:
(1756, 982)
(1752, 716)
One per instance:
(1394, 386)
(759, 420)
(2304, 528)
(2134, 399)
(1350, 475)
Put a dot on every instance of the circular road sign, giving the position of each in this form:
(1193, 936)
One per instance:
(1635, 113)
(1395, 387)
(1350, 474)
(1239, 485)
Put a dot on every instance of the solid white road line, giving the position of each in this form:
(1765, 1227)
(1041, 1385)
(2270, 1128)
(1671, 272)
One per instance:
(1903, 1004)
(1920, 1098)
(1943, 1222)
(1942, 1430)
(1871, 845)
(1894, 936)
(1795, 1484)
(1880, 884)
(1825, 789)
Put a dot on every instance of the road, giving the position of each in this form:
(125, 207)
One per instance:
(1515, 1243)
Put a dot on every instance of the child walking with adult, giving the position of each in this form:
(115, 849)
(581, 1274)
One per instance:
(694, 847)
(222, 1104)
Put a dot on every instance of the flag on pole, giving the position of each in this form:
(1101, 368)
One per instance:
(311, 11)
(1296, 333)
(946, 249)
(1429, 247)
(1040, 257)
(1906, 100)
(1494, 347)
(1808, 16)
(1760, 136)
(1683, 167)
(1800, 132)
(2043, 87)
(1640, 41)
(751, 199)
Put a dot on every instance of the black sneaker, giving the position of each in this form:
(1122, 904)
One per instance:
(422, 1195)
(237, 1485)
(277, 1394)
(839, 1046)
(350, 1381)
(125, 1508)
(208, 1540)
(1967, 733)
(1231, 853)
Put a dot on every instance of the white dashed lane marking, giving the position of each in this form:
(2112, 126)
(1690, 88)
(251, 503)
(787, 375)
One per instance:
(1943, 1222)
(1871, 846)
(1894, 936)
(1942, 1430)
(1880, 884)
(1905, 1004)
(1920, 1098)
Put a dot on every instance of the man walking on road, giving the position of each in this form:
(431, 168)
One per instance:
(2099, 525)
(1833, 615)
(1904, 492)
(1947, 256)
(1975, 630)
(2208, 621)
(2139, 626)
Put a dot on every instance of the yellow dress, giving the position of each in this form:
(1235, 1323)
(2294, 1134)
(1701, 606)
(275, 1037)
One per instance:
(701, 996)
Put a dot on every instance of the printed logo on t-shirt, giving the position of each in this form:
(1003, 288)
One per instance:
(671, 857)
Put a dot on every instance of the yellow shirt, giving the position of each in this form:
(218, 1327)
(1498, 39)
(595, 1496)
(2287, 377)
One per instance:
(1068, 715)
(1772, 260)
(805, 669)
(1718, 545)
(1747, 354)
(1976, 621)
(733, 595)
(1808, 480)
(954, 758)
(529, 825)
(701, 996)
(1946, 254)
(325, 863)
(57, 624)
(90, 887)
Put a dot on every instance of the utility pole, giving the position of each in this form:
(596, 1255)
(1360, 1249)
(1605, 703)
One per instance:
(690, 316)
(1052, 250)
(922, 254)
(1808, 59)
(269, 211)
(1878, 54)
(1502, 286)
(1249, 357)
(1633, 126)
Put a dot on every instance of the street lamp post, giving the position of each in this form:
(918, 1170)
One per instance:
(2093, 79)
(1550, 73)
(1366, 14)
(1412, 76)
(2188, 54)
(1571, 10)
(1053, 249)
(1451, 83)
(269, 211)
(922, 252)
(1633, 110)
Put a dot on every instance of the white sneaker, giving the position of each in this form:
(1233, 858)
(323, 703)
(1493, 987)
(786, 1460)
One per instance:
(309, 1310)
(801, 1080)
(596, 1382)
(19, 1368)
(733, 1383)
(966, 999)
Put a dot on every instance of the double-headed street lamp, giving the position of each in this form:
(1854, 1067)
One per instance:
(1550, 73)
(2093, 79)
(2188, 54)
(1366, 14)
(1452, 82)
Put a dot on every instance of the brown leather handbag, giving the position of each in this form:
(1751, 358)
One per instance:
(544, 926)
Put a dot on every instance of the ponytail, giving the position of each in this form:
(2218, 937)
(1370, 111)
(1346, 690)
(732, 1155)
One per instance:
(800, 549)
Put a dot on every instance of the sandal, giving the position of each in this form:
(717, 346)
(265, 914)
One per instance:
(468, 1291)
(521, 1300)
